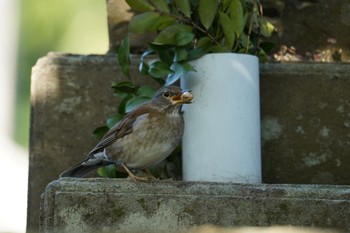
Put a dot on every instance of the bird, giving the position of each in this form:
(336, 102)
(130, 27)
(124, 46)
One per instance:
(144, 137)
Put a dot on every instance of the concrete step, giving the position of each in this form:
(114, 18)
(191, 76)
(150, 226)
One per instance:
(119, 205)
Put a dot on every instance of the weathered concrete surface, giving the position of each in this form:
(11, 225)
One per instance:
(117, 205)
(305, 112)
(305, 118)
(270, 229)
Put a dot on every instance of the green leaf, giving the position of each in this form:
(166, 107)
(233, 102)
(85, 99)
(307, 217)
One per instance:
(227, 27)
(165, 52)
(263, 57)
(180, 70)
(166, 56)
(159, 69)
(266, 27)
(102, 172)
(197, 53)
(172, 35)
(145, 54)
(203, 42)
(254, 18)
(124, 56)
(100, 131)
(134, 102)
(235, 12)
(194, 3)
(113, 119)
(244, 40)
(249, 5)
(172, 78)
(146, 91)
(121, 107)
(143, 22)
(184, 38)
(158, 47)
(140, 5)
(184, 7)
(143, 68)
(125, 86)
(161, 5)
(162, 22)
(219, 49)
(226, 4)
(180, 54)
(119, 94)
(108, 171)
(207, 10)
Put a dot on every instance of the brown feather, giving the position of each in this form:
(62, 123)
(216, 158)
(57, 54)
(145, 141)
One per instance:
(121, 129)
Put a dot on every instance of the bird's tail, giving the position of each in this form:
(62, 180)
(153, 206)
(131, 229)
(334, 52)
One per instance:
(84, 167)
(80, 170)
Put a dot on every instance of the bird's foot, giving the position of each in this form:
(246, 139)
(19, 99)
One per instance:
(138, 178)
(147, 174)
(148, 177)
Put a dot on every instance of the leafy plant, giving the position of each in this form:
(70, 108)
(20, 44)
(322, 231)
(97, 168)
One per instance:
(188, 29)
(184, 30)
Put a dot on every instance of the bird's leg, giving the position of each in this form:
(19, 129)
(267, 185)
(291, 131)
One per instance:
(132, 176)
(149, 174)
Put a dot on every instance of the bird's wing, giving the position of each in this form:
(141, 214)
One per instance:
(124, 127)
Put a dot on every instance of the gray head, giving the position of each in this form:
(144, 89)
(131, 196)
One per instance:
(171, 97)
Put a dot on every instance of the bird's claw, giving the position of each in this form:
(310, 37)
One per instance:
(133, 177)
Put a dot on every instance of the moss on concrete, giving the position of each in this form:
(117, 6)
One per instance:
(90, 205)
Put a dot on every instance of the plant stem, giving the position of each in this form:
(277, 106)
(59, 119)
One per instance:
(249, 31)
(205, 32)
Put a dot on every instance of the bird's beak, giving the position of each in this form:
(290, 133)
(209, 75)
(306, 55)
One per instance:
(184, 97)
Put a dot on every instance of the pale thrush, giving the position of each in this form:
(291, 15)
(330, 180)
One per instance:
(145, 136)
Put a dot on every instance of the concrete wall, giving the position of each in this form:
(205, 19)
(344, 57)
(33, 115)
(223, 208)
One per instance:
(305, 116)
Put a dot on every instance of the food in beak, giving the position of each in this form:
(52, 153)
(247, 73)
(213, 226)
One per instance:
(186, 97)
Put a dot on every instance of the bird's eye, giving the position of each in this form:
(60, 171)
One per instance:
(166, 94)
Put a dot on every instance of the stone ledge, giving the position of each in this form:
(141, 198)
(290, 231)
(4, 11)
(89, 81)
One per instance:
(333, 70)
(118, 205)
(110, 59)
